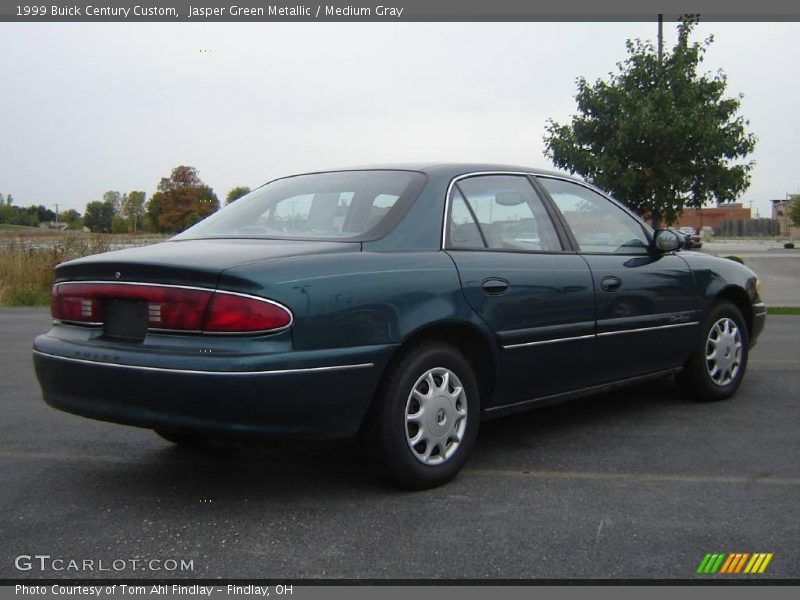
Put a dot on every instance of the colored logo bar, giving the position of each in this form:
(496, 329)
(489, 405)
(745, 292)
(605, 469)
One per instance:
(734, 562)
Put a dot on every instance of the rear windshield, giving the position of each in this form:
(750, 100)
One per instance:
(344, 205)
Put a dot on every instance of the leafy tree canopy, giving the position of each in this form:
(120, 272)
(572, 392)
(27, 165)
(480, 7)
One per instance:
(70, 215)
(236, 193)
(98, 216)
(181, 176)
(25, 215)
(132, 209)
(657, 134)
(113, 199)
(181, 201)
(794, 209)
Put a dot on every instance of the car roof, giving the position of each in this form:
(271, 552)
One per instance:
(452, 169)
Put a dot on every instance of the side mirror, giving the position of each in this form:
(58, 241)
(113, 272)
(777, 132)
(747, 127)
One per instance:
(666, 240)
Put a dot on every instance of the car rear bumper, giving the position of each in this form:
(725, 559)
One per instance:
(317, 397)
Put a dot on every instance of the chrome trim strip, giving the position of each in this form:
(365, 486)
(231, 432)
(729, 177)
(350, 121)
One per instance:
(166, 285)
(588, 186)
(602, 334)
(191, 287)
(553, 341)
(202, 372)
(88, 324)
(640, 329)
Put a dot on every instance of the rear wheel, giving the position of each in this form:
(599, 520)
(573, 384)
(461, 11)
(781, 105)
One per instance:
(424, 422)
(718, 363)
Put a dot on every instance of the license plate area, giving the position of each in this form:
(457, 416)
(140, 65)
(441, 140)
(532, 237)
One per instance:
(125, 319)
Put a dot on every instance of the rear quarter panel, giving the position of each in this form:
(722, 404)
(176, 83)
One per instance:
(360, 299)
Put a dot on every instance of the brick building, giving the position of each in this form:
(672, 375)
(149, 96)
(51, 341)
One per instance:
(712, 217)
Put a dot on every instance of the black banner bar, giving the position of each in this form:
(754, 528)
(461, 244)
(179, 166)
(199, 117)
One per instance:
(390, 11)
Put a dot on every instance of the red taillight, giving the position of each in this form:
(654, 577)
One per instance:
(231, 313)
(171, 307)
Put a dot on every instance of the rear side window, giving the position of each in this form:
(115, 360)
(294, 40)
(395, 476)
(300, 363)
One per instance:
(344, 205)
(499, 212)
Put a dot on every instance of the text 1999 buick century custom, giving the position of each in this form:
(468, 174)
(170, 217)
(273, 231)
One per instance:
(405, 302)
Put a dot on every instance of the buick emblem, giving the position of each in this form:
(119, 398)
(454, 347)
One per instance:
(117, 275)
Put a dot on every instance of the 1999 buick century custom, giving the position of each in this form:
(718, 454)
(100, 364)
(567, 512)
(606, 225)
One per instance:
(404, 302)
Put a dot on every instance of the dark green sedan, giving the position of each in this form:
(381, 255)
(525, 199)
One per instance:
(404, 303)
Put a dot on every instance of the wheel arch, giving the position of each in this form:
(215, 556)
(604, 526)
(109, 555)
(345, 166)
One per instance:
(473, 342)
(739, 298)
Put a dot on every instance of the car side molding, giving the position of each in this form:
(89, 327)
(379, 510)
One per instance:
(504, 409)
(206, 372)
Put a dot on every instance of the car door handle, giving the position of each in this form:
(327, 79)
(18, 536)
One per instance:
(494, 286)
(611, 283)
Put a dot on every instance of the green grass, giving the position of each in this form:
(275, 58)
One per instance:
(17, 228)
(783, 310)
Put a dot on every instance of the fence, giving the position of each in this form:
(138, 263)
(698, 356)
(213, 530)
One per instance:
(749, 228)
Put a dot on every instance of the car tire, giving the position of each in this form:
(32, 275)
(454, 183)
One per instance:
(718, 363)
(186, 439)
(424, 420)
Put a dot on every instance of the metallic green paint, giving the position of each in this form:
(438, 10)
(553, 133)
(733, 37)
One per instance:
(355, 304)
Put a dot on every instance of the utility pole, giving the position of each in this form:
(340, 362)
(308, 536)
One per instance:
(655, 215)
(56, 214)
(660, 37)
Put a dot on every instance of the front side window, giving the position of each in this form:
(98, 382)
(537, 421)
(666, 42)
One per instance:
(597, 223)
(344, 205)
(499, 212)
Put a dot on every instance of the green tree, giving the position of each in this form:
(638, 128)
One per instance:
(70, 216)
(236, 193)
(98, 216)
(657, 134)
(44, 214)
(114, 199)
(17, 215)
(181, 201)
(132, 209)
(119, 225)
(794, 209)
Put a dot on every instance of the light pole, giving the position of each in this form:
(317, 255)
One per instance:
(660, 37)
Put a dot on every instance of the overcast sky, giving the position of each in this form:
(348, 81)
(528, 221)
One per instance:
(86, 108)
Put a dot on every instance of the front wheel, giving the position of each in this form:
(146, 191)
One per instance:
(718, 363)
(425, 418)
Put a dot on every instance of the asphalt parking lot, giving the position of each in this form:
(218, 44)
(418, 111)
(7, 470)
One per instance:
(637, 484)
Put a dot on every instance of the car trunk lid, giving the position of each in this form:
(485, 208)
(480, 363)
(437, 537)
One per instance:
(189, 262)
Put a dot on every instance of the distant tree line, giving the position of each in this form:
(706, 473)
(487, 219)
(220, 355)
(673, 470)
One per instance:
(180, 201)
(116, 213)
(23, 215)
